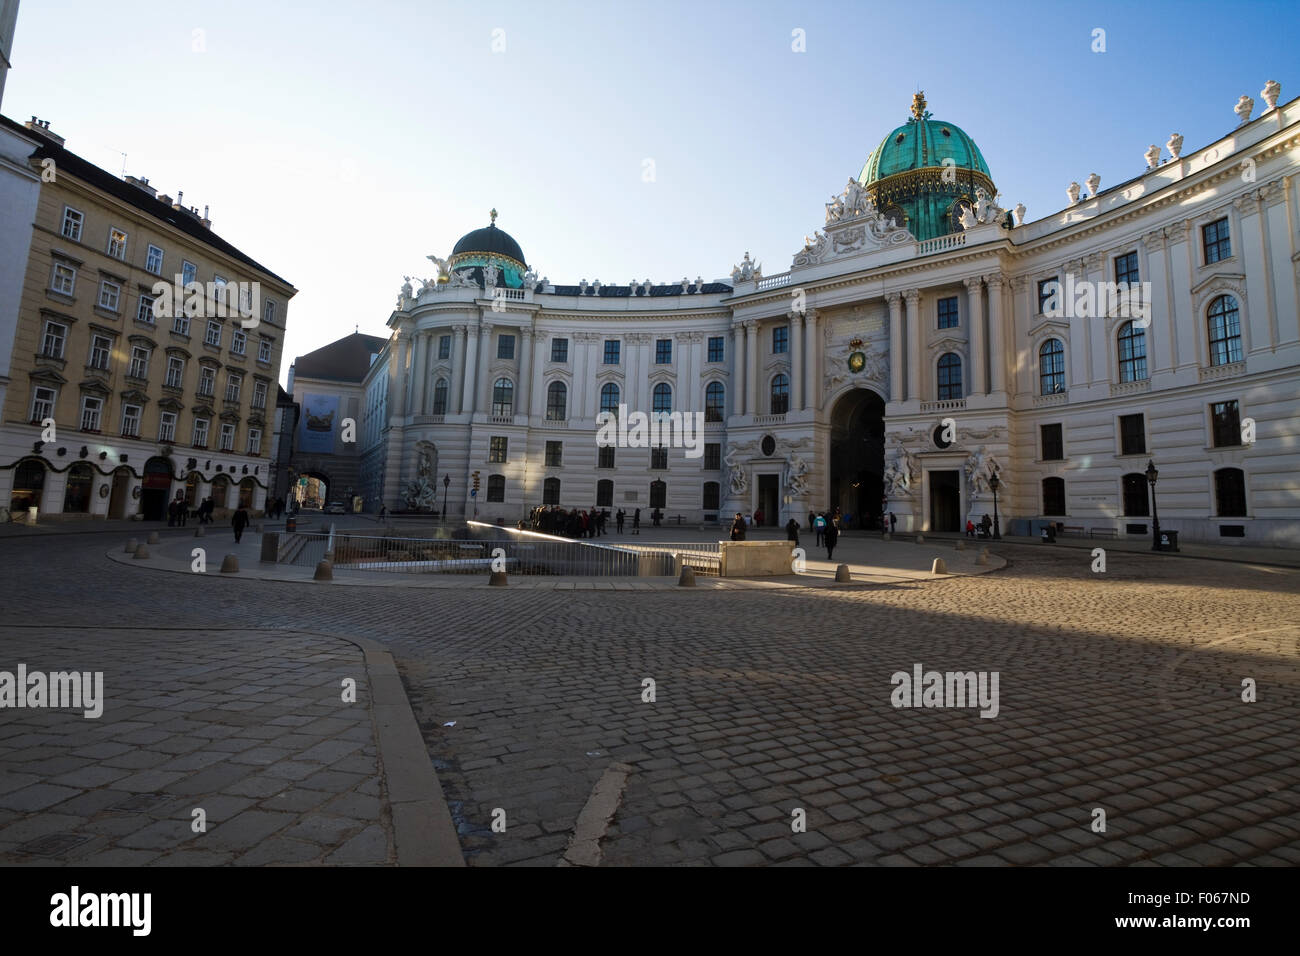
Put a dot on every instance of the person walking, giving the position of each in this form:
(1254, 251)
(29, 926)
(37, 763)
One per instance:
(621, 516)
(819, 528)
(636, 521)
(831, 535)
(738, 527)
(792, 531)
(239, 522)
(893, 522)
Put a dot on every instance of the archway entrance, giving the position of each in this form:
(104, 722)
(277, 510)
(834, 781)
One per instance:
(858, 457)
(156, 486)
(312, 490)
(29, 485)
(121, 493)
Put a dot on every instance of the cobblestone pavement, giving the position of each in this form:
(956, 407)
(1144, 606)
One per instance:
(1118, 691)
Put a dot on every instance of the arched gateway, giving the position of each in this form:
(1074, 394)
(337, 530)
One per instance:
(857, 457)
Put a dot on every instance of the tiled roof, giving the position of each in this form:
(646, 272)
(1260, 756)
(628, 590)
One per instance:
(346, 360)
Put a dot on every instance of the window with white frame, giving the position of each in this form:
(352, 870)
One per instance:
(131, 421)
(63, 279)
(153, 260)
(91, 410)
(189, 272)
(268, 311)
(101, 350)
(213, 335)
(117, 243)
(72, 223)
(259, 395)
(254, 441)
(219, 291)
(167, 426)
(264, 350)
(144, 311)
(227, 440)
(52, 342)
(181, 324)
(238, 342)
(43, 398)
(110, 294)
(200, 433)
(175, 371)
(139, 362)
(233, 382)
(207, 380)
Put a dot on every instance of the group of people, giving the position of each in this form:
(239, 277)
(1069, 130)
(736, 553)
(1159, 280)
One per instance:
(275, 507)
(576, 523)
(982, 530)
(827, 526)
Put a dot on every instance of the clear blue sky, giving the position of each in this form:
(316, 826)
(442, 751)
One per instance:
(341, 143)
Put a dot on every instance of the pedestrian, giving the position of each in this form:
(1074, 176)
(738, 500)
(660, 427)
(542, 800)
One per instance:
(970, 528)
(619, 518)
(831, 535)
(893, 522)
(239, 522)
(987, 524)
(636, 521)
(792, 531)
(383, 511)
(738, 527)
(183, 509)
(819, 528)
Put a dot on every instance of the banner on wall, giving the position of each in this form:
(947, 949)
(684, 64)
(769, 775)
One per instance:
(319, 423)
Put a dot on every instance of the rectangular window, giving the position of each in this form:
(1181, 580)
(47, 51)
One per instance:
(659, 458)
(559, 350)
(131, 421)
(213, 335)
(1217, 244)
(663, 351)
(717, 348)
(948, 315)
(255, 441)
(1048, 289)
(505, 346)
(181, 324)
(781, 339)
(91, 408)
(72, 223)
(53, 340)
(139, 362)
(1227, 423)
(1053, 444)
(1126, 268)
(63, 279)
(444, 346)
(153, 260)
(496, 488)
(554, 452)
(226, 442)
(268, 312)
(712, 456)
(611, 351)
(264, 350)
(101, 349)
(200, 433)
(605, 456)
(42, 403)
(144, 311)
(259, 395)
(497, 446)
(189, 272)
(238, 342)
(110, 293)
(1132, 435)
(117, 243)
(175, 371)
(233, 383)
(167, 426)
(207, 380)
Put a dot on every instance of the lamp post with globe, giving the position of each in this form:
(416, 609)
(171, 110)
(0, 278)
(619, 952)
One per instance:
(997, 525)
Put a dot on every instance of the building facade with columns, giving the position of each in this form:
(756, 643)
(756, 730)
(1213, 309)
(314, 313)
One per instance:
(922, 341)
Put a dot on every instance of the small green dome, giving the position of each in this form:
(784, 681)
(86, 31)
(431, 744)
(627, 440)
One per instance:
(921, 143)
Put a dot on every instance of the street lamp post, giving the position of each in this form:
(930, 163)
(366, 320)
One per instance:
(997, 525)
(446, 482)
(1152, 475)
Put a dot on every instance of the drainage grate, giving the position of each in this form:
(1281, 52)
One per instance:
(56, 844)
(139, 803)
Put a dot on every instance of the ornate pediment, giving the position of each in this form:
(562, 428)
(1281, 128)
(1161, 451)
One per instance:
(95, 387)
(135, 396)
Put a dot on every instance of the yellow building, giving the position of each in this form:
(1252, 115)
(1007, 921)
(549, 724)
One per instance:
(145, 354)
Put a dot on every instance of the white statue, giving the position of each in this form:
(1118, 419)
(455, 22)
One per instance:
(1175, 145)
(1072, 191)
(982, 204)
(1152, 156)
(462, 279)
(491, 273)
(1094, 184)
(895, 481)
(968, 220)
(743, 272)
(834, 210)
(1020, 214)
(1271, 91)
(442, 264)
(910, 466)
(1245, 106)
(797, 480)
(406, 287)
(428, 285)
(736, 472)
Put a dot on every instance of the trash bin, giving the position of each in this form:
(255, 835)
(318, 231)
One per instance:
(31, 515)
(290, 524)
(1168, 540)
(1048, 533)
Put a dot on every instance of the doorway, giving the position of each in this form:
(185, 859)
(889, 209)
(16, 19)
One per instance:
(945, 501)
(157, 485)
(768, 498)
(121, 493)
(858, 458)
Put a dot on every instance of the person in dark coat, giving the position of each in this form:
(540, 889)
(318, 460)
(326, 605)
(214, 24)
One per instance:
(738, 527)
(239, 522)
(792, 531)
(830, 536)
(636, 521)
(621, 516)
(893, 522)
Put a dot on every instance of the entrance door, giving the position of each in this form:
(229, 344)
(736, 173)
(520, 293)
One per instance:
(945, 501)
(157, 484)
(768, 501)
(121, 493)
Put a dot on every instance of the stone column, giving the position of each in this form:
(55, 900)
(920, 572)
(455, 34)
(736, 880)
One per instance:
(797, 371)
(812, 387)
(470, 394)
(897, 355)
(455, 401)
(524, 402)
(978, 384)
(738, 365)
(914, 346)
(751, 366)
(484, 401)
(399, 390)
(997, 335)
(1024, 302)
(419, 372)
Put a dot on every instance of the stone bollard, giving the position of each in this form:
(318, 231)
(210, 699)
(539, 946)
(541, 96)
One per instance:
(132, 545)
(960, 545)
(324, 572)
(982, 560)
(153, 537)
(230, 564)
(984, 551)
(938, 567)
(141, 551)
(687, 577)
(920, 539)
(497, 579)
(842, 575)
(200, 532)
(886, 536)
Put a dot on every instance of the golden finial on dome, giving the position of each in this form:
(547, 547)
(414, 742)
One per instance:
(493, 214)
(918, 104)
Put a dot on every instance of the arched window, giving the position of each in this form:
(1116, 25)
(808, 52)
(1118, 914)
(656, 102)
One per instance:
(1225, 331)
(604, 493)
(246, 489)
(1132, 353)
(77, 497)
(1053, 496)
(609, 399)
(440, 397)
(551, 491)
(715, 402)
(949, 376)
(780, 395)
(496, 488)
(557, 402)
(1230, 493)
(1051, 367)
(29, 483)
(1137, 504)
(662, 403)
(712, 496)
(503, 397)
(220, 492)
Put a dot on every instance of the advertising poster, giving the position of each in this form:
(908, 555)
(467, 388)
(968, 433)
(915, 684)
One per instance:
(320, 422)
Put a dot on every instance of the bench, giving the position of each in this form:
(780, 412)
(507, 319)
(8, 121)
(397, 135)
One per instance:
(1102, 533)
(1073, 530)
(679, 518)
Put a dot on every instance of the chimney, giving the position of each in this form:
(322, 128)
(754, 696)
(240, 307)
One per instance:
(207, 223)
(180, 200)
(143, 184)
(165, 199)
(42, 128)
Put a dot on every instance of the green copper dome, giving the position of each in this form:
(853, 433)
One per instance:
(923, 171)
